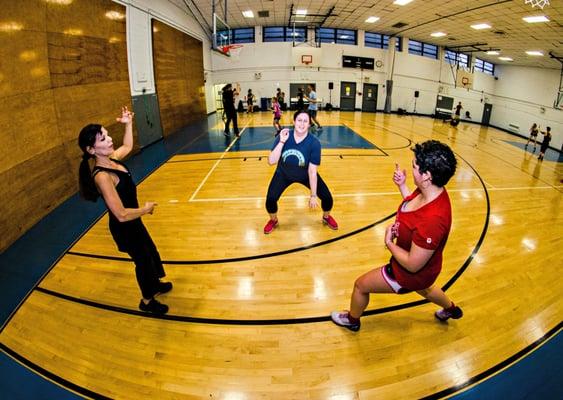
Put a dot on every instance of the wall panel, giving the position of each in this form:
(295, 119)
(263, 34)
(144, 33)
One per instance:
(178, 66)
(61, 67)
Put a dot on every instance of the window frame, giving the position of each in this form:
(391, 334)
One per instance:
(425, 49)
(332, 36)
(381, 41)
(285, 34)
(485, 67)
(461, 59)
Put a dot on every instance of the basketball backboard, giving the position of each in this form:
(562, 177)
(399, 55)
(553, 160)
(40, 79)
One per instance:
(222, 35)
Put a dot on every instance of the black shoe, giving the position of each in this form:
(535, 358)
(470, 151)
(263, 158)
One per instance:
(153, 306)
(237, 134)
(444, 315)
(164, 287)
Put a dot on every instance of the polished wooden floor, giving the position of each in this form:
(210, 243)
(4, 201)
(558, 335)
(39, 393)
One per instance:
(249, 312)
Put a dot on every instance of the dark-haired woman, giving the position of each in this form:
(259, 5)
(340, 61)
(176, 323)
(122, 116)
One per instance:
(111, 179)
(416, 239)
(534, 130)
(297, 155)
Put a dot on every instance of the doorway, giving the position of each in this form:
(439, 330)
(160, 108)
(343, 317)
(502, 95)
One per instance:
(347, 96)
(369, 97)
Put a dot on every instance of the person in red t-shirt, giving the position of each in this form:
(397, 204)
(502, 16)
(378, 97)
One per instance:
(416, 239)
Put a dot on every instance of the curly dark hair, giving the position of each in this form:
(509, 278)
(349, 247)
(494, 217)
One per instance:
(437, 158)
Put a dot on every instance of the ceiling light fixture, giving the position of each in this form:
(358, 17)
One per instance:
(248, 14)
(534, 53)
(401, 2)
(438, 34)
(505, 58)
(301, 12)
(493, 53)
(537, 18)
(481, 26)
(371, 20)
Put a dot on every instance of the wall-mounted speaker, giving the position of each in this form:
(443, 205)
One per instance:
(416, 93)
(330, 85)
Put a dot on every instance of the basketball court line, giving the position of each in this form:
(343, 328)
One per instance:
(217, 163)
(370, 194)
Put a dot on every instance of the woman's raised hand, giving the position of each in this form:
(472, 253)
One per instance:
(126, 116)
(399, 177)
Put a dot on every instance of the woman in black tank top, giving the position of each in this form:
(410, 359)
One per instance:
(111, 179)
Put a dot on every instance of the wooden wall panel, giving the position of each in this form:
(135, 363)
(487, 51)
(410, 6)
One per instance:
(178, 66)
(61, 67)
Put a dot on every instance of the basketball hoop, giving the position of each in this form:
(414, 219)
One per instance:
(306, 59)
(540, 3)
(231, 49)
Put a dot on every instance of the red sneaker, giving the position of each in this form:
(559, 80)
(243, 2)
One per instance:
(270, 226)
(330, 222)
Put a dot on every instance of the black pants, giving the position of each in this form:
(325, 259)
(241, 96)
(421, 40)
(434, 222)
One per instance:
(280, 182)
(148, 267)
(231, 116)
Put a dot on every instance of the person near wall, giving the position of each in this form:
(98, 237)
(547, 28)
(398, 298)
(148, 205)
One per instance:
(298, 156)
(282, 102)
(457, 115)
(111, 180)
(300, 101)
(229, 96)
(277, 114)
(545, 144)
(313, 105)
(250, 101)
(534, 131)
(415, 240)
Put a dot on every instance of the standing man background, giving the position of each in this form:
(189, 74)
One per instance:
(313, 106)
(229, 95)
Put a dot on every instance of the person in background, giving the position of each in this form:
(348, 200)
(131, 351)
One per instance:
(250, 101)
(534, 130)
(111, 179)
(277, 115)
(313, 106)
(229, 96)
(282, 102)
(300, 101)
(545, 144)
(415, 240)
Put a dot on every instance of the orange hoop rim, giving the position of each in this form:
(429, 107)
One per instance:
(229, 47)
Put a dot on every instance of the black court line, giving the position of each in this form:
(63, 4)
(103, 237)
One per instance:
(367, 140)
(375, 126)
(247, 258)
(51, 376)
(441, 394)
(496, 368)
(446, 392)
(284, 321)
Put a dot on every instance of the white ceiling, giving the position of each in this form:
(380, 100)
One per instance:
(509, 32)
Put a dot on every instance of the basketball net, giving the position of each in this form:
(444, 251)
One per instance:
(540, 3)
(232, 50)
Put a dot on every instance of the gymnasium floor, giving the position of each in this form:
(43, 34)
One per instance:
(249, 312)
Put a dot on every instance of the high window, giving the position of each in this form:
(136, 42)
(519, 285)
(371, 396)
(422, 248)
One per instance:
(284, 34)
(340, 36)
(423, 49)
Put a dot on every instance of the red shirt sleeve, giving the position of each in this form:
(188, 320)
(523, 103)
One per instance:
(430, 233)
